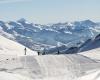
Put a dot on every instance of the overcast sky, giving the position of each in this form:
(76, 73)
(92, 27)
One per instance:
(50, 11)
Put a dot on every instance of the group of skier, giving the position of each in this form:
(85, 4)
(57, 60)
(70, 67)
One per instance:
(39, 53)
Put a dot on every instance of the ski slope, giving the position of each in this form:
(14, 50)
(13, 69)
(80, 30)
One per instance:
(10, 76)
(10, 47)
(93, 54)
(48, 67)
(92, 75)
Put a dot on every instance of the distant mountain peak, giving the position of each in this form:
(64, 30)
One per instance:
(21, 20)
(87, 22)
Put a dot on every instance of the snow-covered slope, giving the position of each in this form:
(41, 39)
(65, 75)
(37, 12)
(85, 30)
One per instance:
(10, 47)
(10, 76)
(93, 54)
(48, 67)
(92, 75)
(91, 48)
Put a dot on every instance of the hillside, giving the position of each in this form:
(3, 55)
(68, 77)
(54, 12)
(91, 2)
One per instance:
(91, 48)
(93, 54)
(9, 47)
(91, 44)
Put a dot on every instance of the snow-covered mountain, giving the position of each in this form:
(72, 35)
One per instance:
(90, 44)
(86, 46)
(37, 36)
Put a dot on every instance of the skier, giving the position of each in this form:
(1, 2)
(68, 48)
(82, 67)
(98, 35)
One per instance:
(44, 53)
(25, 50)
(58, 52)
(38, 53)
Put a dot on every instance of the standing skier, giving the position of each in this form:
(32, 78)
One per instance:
(25, 50)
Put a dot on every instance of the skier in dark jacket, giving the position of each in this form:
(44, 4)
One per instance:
(25, 50)
(38, 53)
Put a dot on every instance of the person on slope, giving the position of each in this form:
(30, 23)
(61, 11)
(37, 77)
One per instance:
(25, 50)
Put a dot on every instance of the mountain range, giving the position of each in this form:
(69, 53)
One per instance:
(45, 37)
(81, 37)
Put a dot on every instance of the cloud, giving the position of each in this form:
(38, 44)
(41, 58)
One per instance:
(12, 1)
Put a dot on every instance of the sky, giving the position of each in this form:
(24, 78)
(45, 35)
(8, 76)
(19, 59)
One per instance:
(50, 11)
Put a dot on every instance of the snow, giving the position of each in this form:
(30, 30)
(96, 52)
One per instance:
(13, 48)
(7, 35)
(68, 32)
(48, 67)
(93, 54)
(10, 76)
(9, 26)
(94, 75)
(14, 65)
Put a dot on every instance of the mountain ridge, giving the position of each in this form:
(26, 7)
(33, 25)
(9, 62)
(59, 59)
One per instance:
(35, 36)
